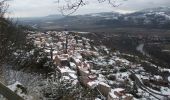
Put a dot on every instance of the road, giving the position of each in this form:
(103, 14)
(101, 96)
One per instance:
(146, 89)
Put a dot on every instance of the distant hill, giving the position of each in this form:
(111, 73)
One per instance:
(36, 22)
(147, 18)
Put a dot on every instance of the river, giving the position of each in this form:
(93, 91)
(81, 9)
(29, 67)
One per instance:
(140, 48)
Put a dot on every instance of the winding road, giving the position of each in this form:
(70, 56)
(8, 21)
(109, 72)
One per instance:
(146, 89)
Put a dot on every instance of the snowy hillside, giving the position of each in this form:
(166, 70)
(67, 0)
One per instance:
(148, 18)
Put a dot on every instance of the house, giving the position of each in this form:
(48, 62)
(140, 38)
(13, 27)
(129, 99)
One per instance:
(92, 77)
(84, 69)
(104, 88)
(83, 80)
(62, 60)
(85, 75)
(88, 53)
(92, 84)
(77, 59)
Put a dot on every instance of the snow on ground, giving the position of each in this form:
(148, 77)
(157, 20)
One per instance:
(101, 78)
(13, 87)
(97, 99)
(66, 78)
(112, 93)
(165, 90)
(111, 62)
(165, 69)
(19, 89)
(169, 78)
(73, 75)
(141, 77)
(124, 61)
(122, 76)
(66, 70)
(103, 61)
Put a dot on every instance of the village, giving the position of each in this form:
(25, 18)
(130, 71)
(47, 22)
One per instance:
(96, 67)
(84, 50)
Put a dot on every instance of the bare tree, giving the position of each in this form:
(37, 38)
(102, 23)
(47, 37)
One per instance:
(74, 5)
(12, 35)
(3, 7)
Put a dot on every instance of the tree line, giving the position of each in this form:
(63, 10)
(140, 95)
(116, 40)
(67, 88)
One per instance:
(12, 35)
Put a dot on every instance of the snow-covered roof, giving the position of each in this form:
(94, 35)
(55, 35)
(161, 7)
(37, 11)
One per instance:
(169, 78)
(72, 75)
(158, 77)
(93, 84)
(47, 51)
(92, 76)
(55, 52)
(104, 84)
(63, 56)
(73, 65)
(66, 77)
(77, 60)
(66, 70)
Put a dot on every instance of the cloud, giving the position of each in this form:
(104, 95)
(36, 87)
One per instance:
(35, 8)
(28, 8)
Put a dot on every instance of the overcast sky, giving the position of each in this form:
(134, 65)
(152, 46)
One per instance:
(37, 8)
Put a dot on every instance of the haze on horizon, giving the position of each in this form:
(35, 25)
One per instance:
(38, 8)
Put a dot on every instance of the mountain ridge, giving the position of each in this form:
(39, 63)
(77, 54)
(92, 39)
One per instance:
(148, 18)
